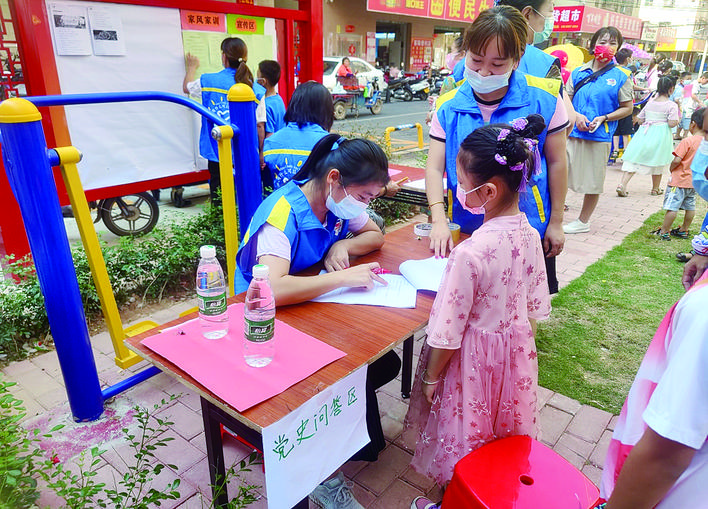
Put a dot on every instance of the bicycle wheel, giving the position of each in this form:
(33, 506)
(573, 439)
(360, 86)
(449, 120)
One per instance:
(133, 214)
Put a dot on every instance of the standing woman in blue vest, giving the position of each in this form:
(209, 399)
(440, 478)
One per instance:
(212, 88)
(602, 94)
(495, 92)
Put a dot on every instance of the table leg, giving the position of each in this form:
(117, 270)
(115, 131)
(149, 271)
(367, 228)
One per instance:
(215, 454)
(407, 369)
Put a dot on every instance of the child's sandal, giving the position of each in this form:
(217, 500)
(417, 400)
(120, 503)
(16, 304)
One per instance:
(678, 232)
(621, 191)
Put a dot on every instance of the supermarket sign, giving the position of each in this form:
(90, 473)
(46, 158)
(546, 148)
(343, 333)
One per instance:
(584, 18)
(451, 10)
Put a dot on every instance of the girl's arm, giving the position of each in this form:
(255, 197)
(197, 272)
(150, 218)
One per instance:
(557, 166)
(440, 237)
(437, 361)
(673, 122)
(191, 64)
(289, 289)
(367, 239)
(651, 469)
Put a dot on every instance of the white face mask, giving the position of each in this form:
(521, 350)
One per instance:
(461, 195)
(348, 208)
(486, 84)
(548, 22)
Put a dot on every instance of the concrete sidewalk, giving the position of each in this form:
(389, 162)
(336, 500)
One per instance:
(579, 432)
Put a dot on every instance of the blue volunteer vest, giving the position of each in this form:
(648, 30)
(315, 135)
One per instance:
(537, 62)
(285, 151)
(275, 113)
(459, 115)
(215, 87)
(288, 210)
(599, 97)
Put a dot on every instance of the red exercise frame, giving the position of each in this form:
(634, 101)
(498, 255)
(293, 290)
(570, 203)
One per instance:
(41, 78)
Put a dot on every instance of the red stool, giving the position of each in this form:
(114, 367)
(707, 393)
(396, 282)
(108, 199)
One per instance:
(520, 473)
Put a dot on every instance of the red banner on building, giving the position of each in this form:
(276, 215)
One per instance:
(583, 18)
(453, 10)
(666, 35)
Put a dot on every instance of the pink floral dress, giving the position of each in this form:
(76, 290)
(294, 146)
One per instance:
(494, 282)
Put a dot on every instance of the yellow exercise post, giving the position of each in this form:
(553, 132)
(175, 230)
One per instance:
(416, 126)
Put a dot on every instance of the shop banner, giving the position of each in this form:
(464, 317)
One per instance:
(666, 35)
(421, 52)
(649, 33)
(583, 18)
(452, 10)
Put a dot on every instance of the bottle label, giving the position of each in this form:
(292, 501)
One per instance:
(259, 332)
(212, 305)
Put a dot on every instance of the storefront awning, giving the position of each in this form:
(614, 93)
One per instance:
(450, 10)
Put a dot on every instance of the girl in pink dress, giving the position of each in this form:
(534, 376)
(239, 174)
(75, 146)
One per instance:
(477, 376)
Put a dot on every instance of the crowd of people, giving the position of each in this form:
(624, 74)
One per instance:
(510, 138)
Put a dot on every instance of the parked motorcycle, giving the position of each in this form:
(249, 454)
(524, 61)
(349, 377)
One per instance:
(420, 88)
(132, 214)
(398, 88)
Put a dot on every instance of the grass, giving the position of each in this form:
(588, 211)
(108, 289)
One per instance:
(602, 322)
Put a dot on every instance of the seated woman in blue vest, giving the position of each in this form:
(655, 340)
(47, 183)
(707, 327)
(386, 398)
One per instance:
(212, 89)
(308, 119)
(306, 222)
(494, 92)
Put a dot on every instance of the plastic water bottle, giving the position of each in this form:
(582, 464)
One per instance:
(211, 292)
(259, 320)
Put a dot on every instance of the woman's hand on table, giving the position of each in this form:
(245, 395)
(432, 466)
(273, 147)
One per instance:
(337, 257)
(362, 276)
(553, 240)
(440, 239)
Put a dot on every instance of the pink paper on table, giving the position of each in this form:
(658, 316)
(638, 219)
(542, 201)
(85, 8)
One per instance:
(218, 364)
(392, 172)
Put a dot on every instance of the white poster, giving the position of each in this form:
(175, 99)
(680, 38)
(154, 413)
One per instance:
(69, 23)
(107, 34)
(303, 448)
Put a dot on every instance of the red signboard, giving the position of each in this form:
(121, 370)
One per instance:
(204, 21)
(666, 35)
(584, 18)
(421, 52)
(349, 29)
(452, 10)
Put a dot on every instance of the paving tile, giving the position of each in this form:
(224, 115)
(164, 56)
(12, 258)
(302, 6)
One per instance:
(597, 457)
(574, 449)
(391, 428)
(378, 476)
(407, 440)
(543, 396)
(553, 424)
(15, 370)
(435, 494)
(613, 423)
(362, 495)
(393, 407)
(593, 473)
(589, 423)
(178, 451)
(398, 496)
(351, 468)
(564, 403)
(38, 382)
(424, 483)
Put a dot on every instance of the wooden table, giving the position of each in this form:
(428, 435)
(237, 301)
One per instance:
(407, 193)
(364, 333)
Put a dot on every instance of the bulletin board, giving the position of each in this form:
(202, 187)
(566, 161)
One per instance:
(135, 48)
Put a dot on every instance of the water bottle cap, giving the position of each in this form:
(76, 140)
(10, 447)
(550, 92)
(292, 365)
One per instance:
(207, 252)
(260, 270)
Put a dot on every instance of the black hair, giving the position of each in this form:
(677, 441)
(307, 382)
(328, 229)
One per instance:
(664, 85)
(311, 103)
(479, 152)
(613, 32)
(359, 161)
(236, 53)
(270, 70)
(697, 117)
(704, 75)
(458, 42)
(686, 74)
(623, 55)
(658, 58)
(665, 66)
(502, 22)
(521, 4)
(633, 68)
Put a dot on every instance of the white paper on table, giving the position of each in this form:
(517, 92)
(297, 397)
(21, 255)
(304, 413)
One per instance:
(399, 293)
(69, 24)
(418, 185)
(303, 448)
(107, 34)
(424, 274)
